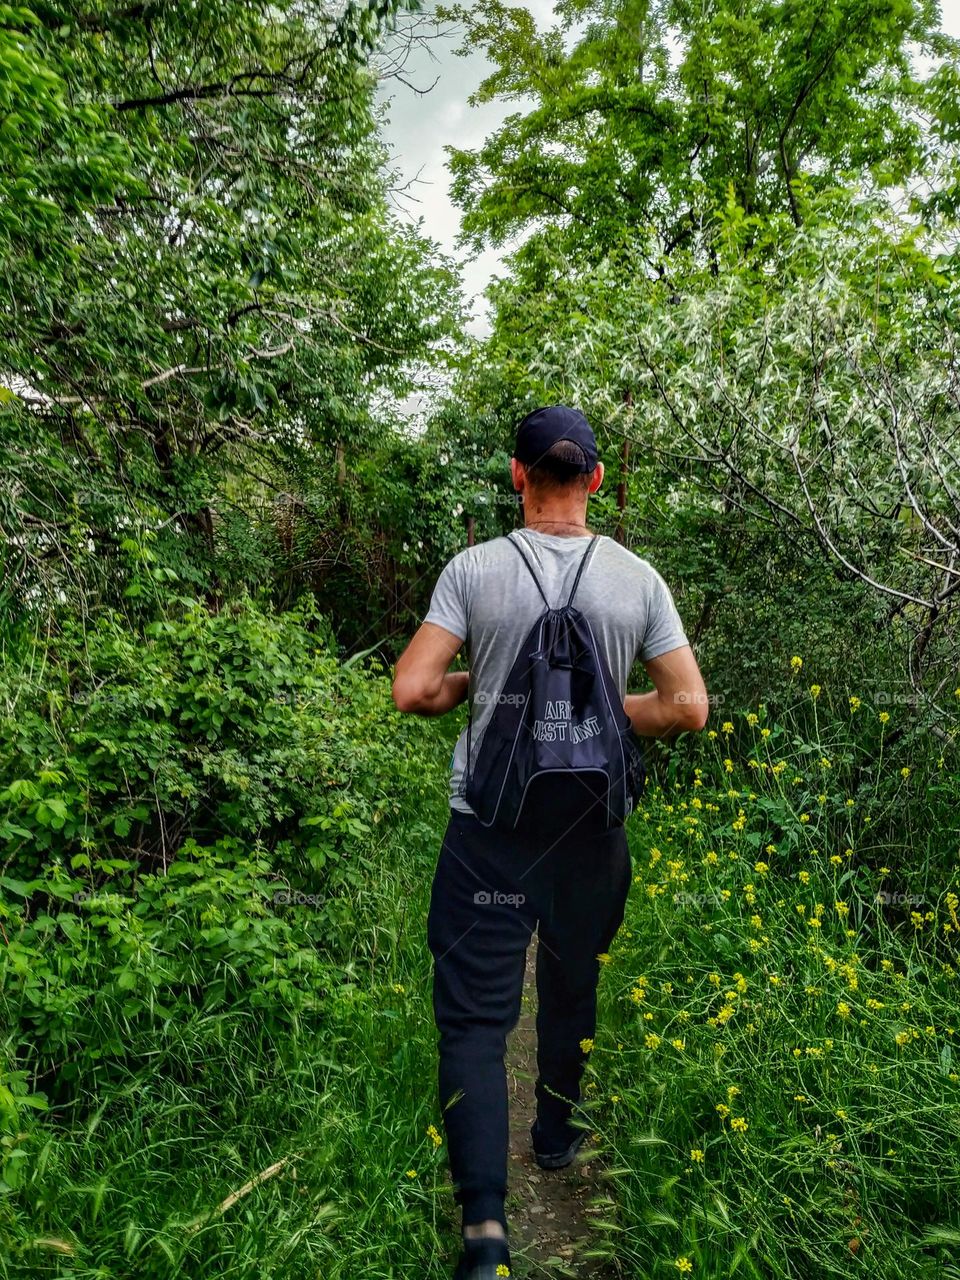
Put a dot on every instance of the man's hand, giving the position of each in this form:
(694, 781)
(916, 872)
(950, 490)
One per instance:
(421, 682)
(678, 701)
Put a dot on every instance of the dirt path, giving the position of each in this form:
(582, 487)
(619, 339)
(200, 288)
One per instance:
(549, 1213)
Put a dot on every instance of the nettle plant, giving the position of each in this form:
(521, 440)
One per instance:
(234, 724)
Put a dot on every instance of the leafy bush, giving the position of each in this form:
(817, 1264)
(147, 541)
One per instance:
(193, 817)
(118, 745)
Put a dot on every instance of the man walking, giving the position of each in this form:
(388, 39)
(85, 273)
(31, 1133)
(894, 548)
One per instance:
(494, 885)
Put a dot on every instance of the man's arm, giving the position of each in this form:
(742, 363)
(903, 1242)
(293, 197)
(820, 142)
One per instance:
(678, 701)
(421, 682)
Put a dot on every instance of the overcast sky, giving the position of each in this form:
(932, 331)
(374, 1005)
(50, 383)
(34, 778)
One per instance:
(420, 124)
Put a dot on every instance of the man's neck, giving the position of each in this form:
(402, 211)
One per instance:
(563, 522)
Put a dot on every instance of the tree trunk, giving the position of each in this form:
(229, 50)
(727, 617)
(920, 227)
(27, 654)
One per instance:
(620, 533)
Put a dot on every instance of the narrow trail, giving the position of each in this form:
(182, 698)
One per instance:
(549, 1212)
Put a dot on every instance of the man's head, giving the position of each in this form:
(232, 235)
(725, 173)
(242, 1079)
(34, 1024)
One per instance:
(556, 455)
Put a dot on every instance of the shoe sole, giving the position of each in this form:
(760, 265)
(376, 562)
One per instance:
(482, 1271)
(563, 1158)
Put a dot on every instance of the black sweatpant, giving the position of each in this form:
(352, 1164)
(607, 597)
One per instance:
(490, 891)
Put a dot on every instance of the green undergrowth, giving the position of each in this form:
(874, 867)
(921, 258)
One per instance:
(776, 1076)
(218, 1052)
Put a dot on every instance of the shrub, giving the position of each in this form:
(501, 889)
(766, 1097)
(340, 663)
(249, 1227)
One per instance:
(238, 724)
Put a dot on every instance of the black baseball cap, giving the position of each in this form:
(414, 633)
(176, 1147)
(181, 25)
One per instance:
(543, 428)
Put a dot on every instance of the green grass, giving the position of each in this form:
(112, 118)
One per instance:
(128, 1183)
(774, 1083)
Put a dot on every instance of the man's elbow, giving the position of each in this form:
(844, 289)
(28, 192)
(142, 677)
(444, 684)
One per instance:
(699, 718)
(413, 694)
(694, 711)
(406, 695)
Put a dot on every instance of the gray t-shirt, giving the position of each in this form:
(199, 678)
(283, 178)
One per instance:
(486, 596)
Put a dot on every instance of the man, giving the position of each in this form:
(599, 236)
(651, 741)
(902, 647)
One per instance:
(493, 887)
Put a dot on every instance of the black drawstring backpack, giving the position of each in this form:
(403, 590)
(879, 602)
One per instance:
(559, 749)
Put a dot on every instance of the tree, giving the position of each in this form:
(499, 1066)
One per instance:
(812, 389)
(621, 140)
(201, 277)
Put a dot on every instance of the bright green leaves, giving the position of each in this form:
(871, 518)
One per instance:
(642, 114)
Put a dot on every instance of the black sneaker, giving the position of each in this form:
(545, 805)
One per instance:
(551, 1152)
(484, 1259)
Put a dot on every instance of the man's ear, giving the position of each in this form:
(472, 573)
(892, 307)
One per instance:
(596, 480)
(517, 474)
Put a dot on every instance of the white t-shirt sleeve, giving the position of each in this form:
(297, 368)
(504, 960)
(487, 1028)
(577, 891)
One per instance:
(664, 629)
(448, 605)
